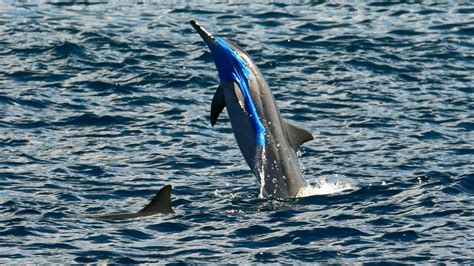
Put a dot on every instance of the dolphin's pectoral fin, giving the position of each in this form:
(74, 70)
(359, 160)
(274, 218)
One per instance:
(161, 203)
(297, 135)
(217, 105)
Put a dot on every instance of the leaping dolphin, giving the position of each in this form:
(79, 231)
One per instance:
(161, 203)
(267, 141)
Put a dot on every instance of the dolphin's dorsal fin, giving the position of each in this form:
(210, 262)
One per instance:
(217, 105)
(297, 135)
(161, 203)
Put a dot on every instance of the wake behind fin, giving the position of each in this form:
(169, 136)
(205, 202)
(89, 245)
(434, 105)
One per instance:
(297, 135)
(217, 105)
(161, 203)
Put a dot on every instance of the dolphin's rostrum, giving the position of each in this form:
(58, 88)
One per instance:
(161, 203)
(268, 143)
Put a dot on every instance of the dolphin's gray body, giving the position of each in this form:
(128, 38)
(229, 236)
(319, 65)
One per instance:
(161, 203)
(279, 165)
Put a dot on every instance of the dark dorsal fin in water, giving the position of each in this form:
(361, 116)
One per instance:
(217, 105)
(297, 135)
(161, 203)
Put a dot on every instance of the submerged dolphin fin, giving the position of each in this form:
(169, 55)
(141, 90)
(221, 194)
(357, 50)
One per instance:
(161, 203)
(217, 105)
(297, 135)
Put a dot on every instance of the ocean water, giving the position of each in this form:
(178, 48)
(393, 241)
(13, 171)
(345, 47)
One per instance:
(101, 104)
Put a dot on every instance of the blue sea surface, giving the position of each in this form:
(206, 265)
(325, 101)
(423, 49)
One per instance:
(103, 103)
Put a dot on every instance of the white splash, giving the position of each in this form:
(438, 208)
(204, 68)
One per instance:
(323, 187)
(260, 165)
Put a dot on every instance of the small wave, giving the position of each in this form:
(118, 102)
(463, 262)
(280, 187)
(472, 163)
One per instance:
(134, 234)
(273, 14)
(322, 26)
(407, 235)
(18, 231)
(104, 88)
(35, 103)
(67, 49)
(466, 31)
(324, 187)
(195, 11)
(90, 119)
(168, 227)
(428, 135)
(406, 32)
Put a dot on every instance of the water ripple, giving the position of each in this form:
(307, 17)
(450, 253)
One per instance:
(101, 104)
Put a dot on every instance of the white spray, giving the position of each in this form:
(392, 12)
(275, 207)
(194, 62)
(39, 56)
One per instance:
(260, 161)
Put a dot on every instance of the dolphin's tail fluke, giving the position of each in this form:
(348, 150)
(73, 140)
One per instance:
(161, 203)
